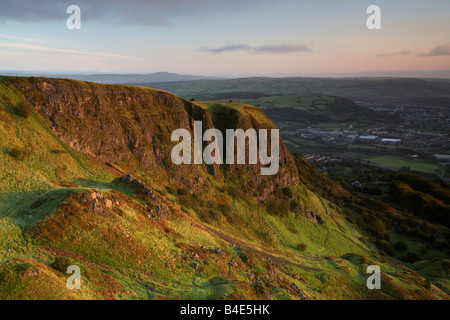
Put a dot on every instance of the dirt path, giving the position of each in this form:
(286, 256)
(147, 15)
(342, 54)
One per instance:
(252, 249)
(234, 241)
(221, 235)
(104, 165)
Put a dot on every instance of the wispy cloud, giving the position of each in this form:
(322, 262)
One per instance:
(443, 50)
(16, 38)
(31, 47)
(145, 12)
(269, 48)
(398, 53)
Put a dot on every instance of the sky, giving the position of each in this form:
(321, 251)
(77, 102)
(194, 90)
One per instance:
(225, 37)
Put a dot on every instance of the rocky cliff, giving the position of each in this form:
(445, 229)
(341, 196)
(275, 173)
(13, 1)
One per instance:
(131, 127)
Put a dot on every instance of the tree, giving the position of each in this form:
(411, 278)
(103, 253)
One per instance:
(23, 109)
(379, 229)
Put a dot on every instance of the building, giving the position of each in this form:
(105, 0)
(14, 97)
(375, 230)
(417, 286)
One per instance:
(357, 184)
(368, 138)
(442, 157)
(391, 141)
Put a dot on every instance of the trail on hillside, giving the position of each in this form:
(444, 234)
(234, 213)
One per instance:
(219, 234)
(239, 243)
(252, 249)
(340, 228)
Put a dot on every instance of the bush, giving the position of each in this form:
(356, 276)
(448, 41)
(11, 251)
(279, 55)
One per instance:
(234, 192)
(410, 257)
(386, 247)
(58, 151)
(23, 109)
(210, 215)
(319, 219)
(277, 207)
(171, 190)
(19, 154)
(229, 213)
(225, 208)
(62, 263)
(401, 246)
(379, 229)
(288, 192)
(183, 191)
(301, 247)
(427, 284)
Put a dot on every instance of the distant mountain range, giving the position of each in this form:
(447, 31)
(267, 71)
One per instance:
(114, 78)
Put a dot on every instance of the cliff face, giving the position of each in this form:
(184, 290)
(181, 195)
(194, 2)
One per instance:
(131, 127)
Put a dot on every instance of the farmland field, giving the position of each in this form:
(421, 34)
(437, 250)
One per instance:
(416, 165)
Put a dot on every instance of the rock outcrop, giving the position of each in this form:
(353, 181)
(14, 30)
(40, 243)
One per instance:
(132, 127)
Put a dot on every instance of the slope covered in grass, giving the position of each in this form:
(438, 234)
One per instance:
(85, 181)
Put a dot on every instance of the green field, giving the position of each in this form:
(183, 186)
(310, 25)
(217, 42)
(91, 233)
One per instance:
(375, 89)
(416, 165)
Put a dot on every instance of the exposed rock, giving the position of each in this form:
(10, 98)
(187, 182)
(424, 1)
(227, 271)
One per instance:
(31, 272)
(132, 126)
(310, 215)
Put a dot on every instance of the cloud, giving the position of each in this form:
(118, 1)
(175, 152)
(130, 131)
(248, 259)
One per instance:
(9, 37)
(443, 50)
(28, 47)
(270, 48)
(148, 12)
(399, 53)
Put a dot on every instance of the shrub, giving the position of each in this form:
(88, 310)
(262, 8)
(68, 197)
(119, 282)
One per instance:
(234, 192)
(401, 246)
(171, 190)
(210, 215)
(288, 192)
(62, 263)
(225, 208)
(379, 229)
(301, 247)
(23, 109)
(58, 151)
(19, 154)
(183, 191)
(296, 203)
(427, 284)
(410, 257)
(277, 207)
(319, 219)
(385, 246)
(228, 213)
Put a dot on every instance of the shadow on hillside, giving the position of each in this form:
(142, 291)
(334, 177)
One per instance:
(27, 208)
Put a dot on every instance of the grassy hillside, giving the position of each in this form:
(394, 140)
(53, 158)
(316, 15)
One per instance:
(317, 110)
(137, 236)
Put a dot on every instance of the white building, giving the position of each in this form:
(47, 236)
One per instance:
(391, 141)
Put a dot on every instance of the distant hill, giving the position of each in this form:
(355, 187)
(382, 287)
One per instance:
(368, 90)
(309, 110)
(108, 78)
